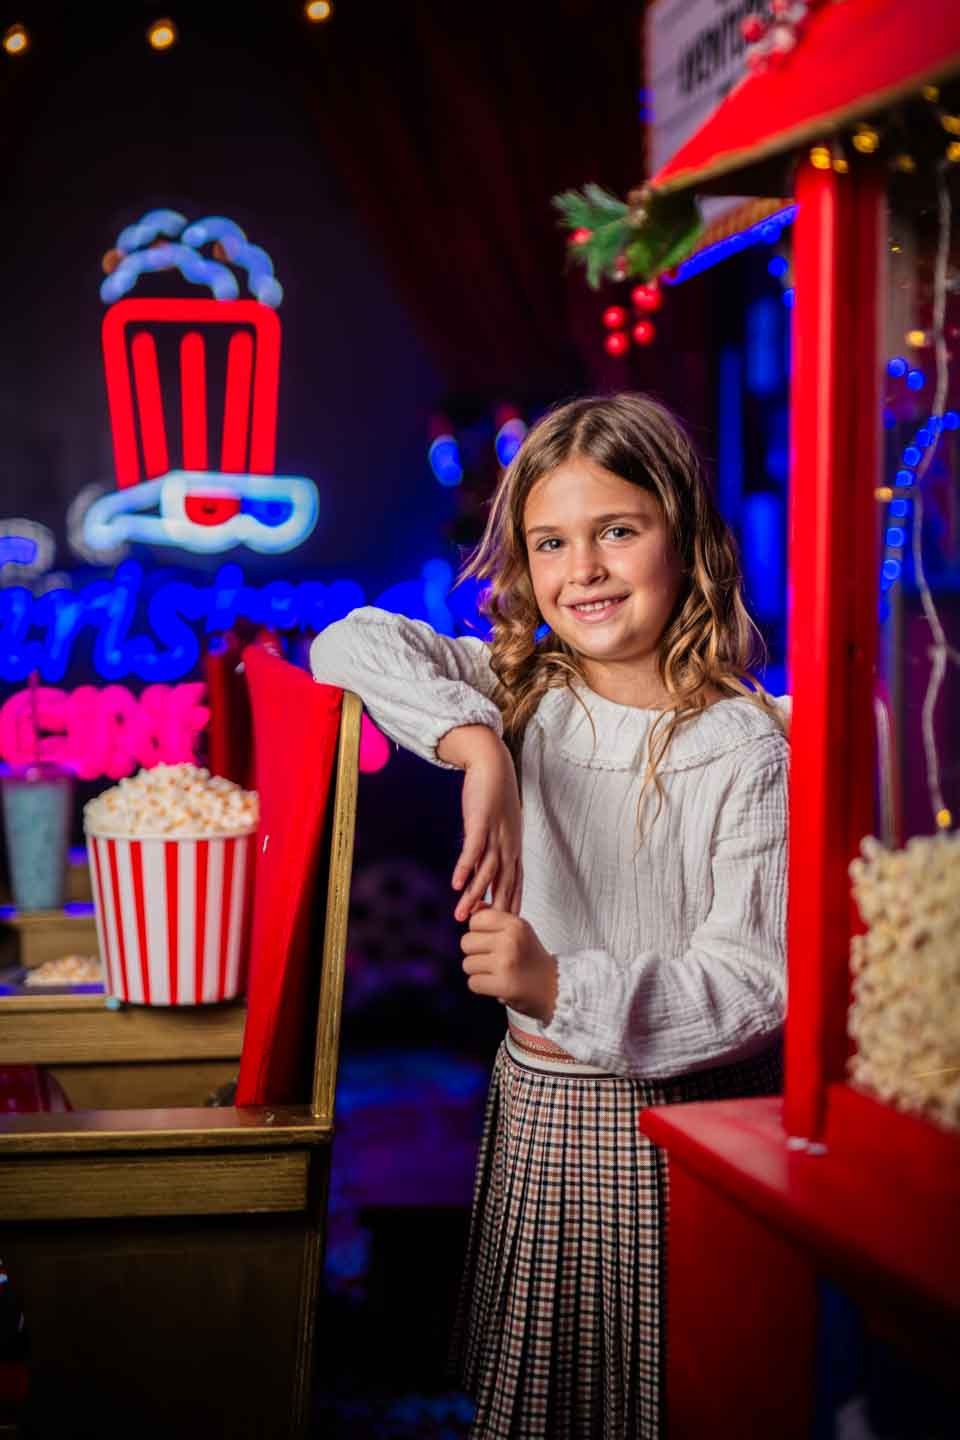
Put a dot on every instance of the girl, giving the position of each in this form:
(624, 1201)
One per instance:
(637, 938)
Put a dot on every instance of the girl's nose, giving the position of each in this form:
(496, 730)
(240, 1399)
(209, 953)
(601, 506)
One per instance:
(586, 564)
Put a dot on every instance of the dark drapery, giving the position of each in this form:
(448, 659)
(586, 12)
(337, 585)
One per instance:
(451, 127)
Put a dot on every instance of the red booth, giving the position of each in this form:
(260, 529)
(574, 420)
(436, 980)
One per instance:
(855, 114)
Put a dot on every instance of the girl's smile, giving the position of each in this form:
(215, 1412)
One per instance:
(605, 574)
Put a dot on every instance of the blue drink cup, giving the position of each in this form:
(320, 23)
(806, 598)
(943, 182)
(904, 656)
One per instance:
(37, 803)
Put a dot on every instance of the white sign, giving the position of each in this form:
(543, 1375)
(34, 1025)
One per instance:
(695, 55)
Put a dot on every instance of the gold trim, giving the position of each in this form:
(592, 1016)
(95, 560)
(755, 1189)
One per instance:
(827, 124)
(338, 902)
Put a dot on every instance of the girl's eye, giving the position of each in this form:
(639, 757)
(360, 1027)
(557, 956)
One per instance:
(548, 544)
(618, 532)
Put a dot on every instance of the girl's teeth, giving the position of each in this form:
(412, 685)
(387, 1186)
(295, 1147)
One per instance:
(596, 605)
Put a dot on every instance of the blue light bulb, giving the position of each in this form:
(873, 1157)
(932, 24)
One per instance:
(899, 508)
(916, 379)
(891, 569)
(897, 367)
(895, 537)
(904, 477)
(951, 420)
(922, 438)
(911, 456)
(777, 266)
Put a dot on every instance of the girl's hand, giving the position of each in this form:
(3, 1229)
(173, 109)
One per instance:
(506, 960)
(491, 820)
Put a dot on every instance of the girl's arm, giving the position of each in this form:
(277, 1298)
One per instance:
(417, 685)
(432, 695)
(655, 1014)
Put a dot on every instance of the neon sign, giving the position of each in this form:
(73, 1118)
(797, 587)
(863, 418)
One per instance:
(196, 501)
(105, 731)
(40, 632)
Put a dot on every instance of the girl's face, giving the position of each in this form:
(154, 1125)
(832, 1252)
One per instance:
(604, 572)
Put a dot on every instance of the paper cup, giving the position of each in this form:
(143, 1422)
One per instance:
(173, 915)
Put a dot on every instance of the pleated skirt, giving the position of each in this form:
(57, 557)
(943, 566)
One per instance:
(559, 1335)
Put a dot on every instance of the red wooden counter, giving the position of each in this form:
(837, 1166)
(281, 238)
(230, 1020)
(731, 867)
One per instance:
(754, 1227)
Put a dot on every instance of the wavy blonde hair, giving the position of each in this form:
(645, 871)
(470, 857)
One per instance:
(709, 643)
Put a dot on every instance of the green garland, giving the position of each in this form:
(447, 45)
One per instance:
(638, 238)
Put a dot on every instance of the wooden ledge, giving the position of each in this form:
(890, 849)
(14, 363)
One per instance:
(200, 1128)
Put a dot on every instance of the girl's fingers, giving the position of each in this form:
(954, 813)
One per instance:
(474, 844)
(504, 887)
(477, 888)
(516, 895)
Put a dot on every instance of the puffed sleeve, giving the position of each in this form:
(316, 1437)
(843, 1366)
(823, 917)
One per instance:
(417, 685)
(724, 997)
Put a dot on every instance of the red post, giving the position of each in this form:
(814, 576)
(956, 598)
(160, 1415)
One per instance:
(839, 247)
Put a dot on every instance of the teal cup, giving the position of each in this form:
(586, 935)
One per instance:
(37, 805)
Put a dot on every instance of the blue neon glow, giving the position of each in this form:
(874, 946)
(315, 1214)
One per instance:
(259, 267)
(951, 420)
(895, 537)
(778, 266)
(41, 632)
(903, 478)
(916, 379)
(765, 232)
(790, 298)
(764, 556)
(156, 222)
(509, 439)
(444, 458)
(897, 367)
(912, 456)
(923, 438)
(210, 228)
(730, 433)
(891, 569)
(193, 267)
(899, 508)
(889, 420)
(277, 513)
(764, 346)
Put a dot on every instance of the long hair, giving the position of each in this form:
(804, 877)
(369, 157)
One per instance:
(709, 642)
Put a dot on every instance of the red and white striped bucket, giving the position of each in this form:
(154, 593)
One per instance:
(173, 916)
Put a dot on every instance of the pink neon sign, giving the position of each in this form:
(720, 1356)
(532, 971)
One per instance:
(104, 731)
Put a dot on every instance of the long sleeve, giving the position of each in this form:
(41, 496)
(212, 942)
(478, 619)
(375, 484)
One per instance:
(658, 1014)
(416, 684)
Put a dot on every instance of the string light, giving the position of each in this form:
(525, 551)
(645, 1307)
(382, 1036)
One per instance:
(317, 10)
(820, 157)
(16, 40)
(866, 140)
(951, 123)
(916, 338)
(953, 151)
(905, 164)
(931, 93)
(944, 819)
(162, 34)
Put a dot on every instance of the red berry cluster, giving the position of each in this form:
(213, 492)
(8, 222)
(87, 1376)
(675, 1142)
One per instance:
(645, 299)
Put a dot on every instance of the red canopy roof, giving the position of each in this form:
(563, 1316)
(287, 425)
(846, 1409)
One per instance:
(854, 58)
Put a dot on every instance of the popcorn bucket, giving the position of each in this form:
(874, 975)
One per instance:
(173, 915)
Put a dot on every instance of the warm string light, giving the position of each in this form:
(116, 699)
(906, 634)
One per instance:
(318, 10)
(16, 40)
(162, 34)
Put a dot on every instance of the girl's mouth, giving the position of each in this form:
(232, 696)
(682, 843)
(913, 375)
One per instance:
(593, 612)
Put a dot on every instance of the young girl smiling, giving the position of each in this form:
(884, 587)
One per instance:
(630, 914)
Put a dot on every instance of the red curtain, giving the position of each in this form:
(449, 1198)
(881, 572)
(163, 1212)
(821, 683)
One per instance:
(451, 127)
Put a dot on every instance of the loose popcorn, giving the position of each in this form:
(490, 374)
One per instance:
(905, 1015)
(67, 970)
(172, 800)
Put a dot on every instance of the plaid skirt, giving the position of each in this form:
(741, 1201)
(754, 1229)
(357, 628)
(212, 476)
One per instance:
(561, 1315)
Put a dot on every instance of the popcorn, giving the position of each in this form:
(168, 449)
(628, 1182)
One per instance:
(67, 970)
(169, 800)
(905, 1015)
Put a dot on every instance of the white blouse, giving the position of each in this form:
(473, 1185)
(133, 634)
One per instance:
(671, 947)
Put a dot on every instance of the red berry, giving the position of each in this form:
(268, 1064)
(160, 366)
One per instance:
(644, 332)
(753, 29)
(580, 236)
(614, 317)
(616, 343)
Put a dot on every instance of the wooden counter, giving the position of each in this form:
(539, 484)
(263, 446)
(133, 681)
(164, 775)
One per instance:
(122, 1058)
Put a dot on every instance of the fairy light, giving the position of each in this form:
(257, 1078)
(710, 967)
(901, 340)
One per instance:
(865, 140)
(916, 338)
(16, 40)
(162, 34)
(318, 10)
(820, 157)
(944, 819)
(931, 93)
(951, 123)
(953, 151)
(905, 164)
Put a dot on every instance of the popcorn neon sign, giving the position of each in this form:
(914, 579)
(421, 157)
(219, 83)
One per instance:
(195, 504)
